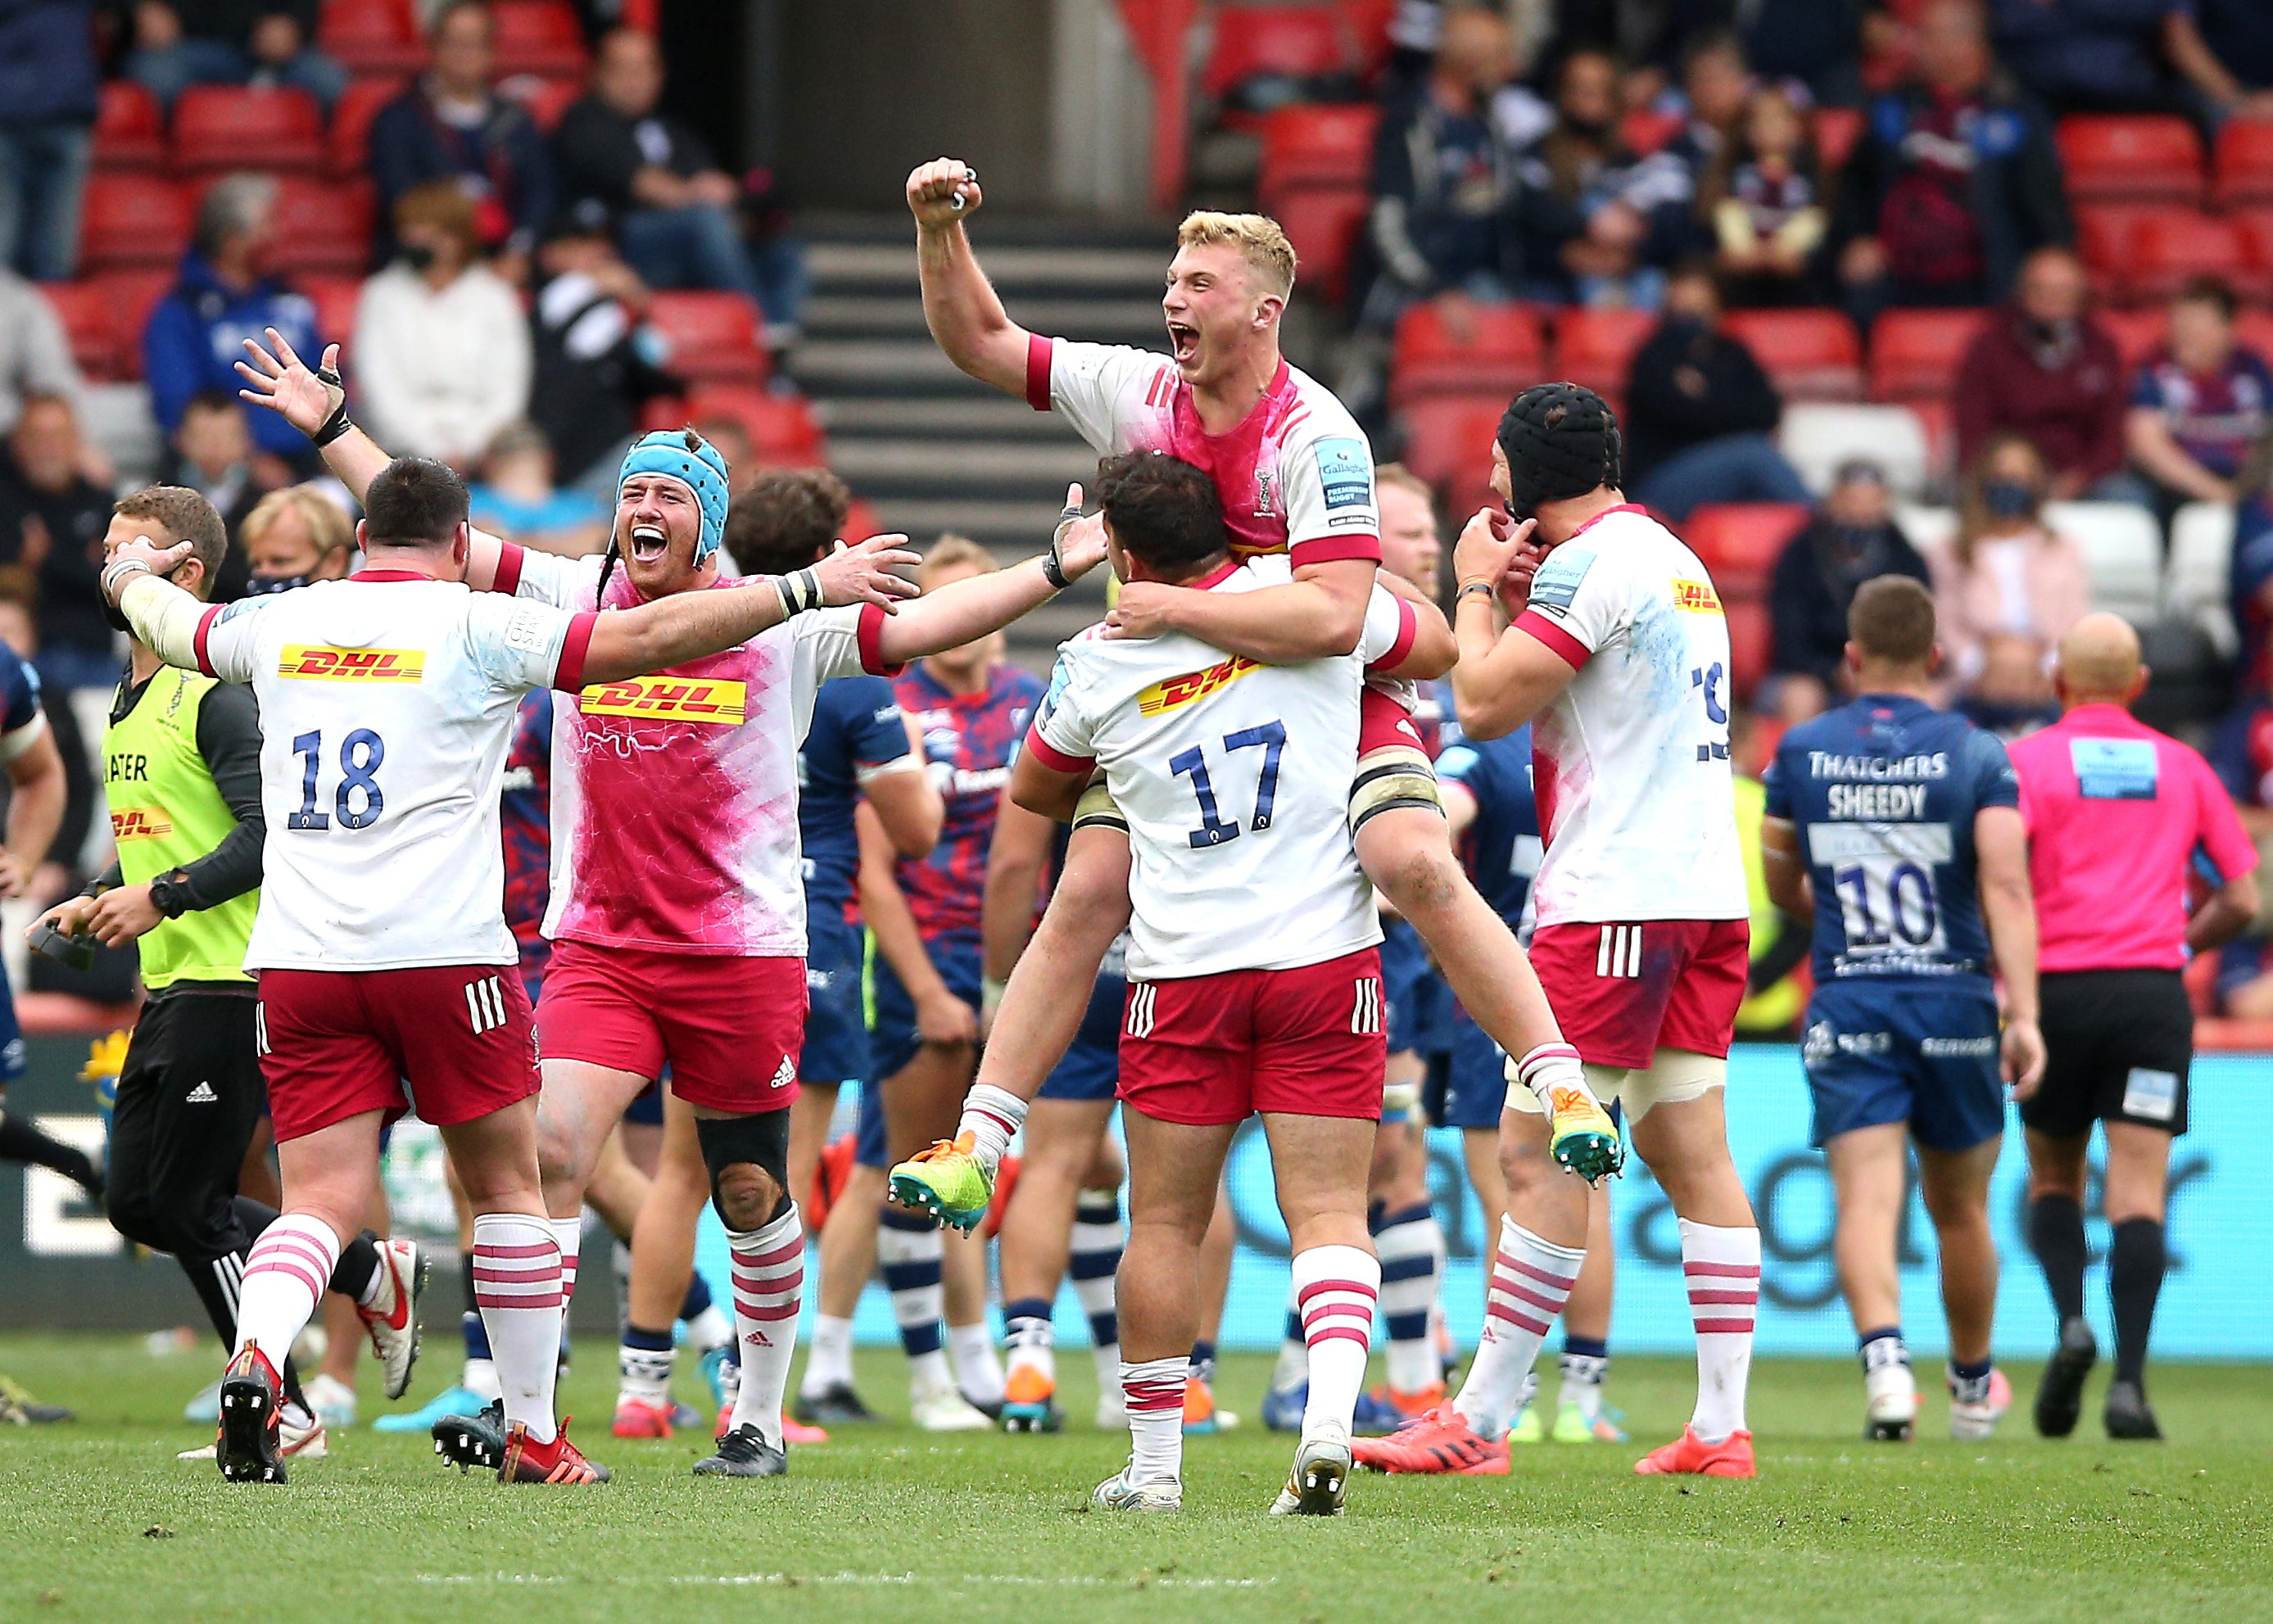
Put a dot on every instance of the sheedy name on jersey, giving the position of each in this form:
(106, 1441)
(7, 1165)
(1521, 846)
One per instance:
(1877, 769)
(1877, 803)
(323, 663)
(723, 704)
(1170, 692)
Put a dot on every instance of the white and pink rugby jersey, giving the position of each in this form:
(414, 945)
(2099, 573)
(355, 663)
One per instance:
(675, 795)
(1632, 762)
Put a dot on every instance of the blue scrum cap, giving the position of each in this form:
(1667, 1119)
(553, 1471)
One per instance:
(686, 456)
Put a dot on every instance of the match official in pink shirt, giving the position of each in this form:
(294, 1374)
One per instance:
(2119, 818)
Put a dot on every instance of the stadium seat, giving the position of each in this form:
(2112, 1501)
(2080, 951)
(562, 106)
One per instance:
(1916, 355)
(132, 219)
(2255, 229)
(2137, 333)
(782, 428)
(1838, 131)
(349, 143)
(336, 299)
(2130, 159)
(1500, 352)
(546, 99)
(1289, 43)
(322, 227)
(2242, 163)
(1752, 643)
(860, 521)
(372, 36)
(537, 36)
(2254, 329)
(714, 336)
(1739, 541)
(222, 127)
(1816, 437)
(1448, 441)
(2103, 238)
(2168, 248)
(91, 327)
(1927, 527)
(1323, 223)
(1595, 346)
(1811, 354)
(128, 133)
(1314, 145)
(130, 295)
(2123, 548)
(2197, 587)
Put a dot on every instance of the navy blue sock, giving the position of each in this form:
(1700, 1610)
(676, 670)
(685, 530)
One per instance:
(698, 1296)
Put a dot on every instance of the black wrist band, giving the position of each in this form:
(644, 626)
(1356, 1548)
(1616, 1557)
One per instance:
(799, 591)
(1484, 587)
(332, 427)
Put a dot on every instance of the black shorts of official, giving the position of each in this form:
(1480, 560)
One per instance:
(2119, 1043)
(190, 1096)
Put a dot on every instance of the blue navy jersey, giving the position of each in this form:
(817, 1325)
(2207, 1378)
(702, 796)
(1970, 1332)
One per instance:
(1883, 793)
(1501, 849)
(20, 695)
(856, 729)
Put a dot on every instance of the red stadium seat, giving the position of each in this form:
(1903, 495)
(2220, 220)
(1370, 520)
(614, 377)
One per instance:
(546, 99)
(1323, 223)
(2169, 248)
(1498, 351)
(372, 36)
(132, 219)
(1916, 355)
(2131, 159)
(224, 127)
(2243, 163)
(782, 428)
(1596, 346)
(1293, 41)
(714, 336)
(1838, 131)
(91, 326)
(1811, 354)
(1366, 24)
(130, 295)
(349, 144)
(537, 36)
(2255, 229)
(1448, 438)
(129, 134)
(1314, 146)
(1752, 643)
(1740, 542)
(2137, 333)
(860, 521)
(322, 227)
(2253, 329)
(336, 299)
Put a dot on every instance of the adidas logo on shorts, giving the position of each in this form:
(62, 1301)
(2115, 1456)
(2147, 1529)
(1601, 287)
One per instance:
(202, 1095)
(786, 1074)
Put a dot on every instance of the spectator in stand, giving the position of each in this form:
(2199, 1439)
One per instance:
(677, 211)
(517, 499)
(213, 457)
(597, 362)
(2226, 47)
(1817, 42)
(2115, 56)
(1762, 203)
(441, 346)
(2005, 586)
(52, 520)
(1853, 538)
(48, 91)
(294, 536)
(1598, 224)
(196, 334)
(452, 125)
(2199, 406)
(1715, 85)
(2042, 369)
(35, 352)
(1953, 183)
(265, 43)
(1699, 411)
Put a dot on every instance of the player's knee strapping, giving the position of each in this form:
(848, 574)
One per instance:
(761, 1142)
(1392, 777)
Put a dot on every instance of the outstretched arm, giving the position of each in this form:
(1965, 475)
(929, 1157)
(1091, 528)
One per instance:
(978, 604)
(966, 318)
(1317, 616)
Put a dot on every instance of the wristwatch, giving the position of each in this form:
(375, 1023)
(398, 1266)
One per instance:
(169, 892)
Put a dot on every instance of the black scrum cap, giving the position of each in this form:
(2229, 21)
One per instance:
(1562, 441)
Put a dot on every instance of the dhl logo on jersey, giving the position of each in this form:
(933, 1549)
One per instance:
(320, 664)
(722, 704)
(1172, 691)
(1695, 597)
(140, 823)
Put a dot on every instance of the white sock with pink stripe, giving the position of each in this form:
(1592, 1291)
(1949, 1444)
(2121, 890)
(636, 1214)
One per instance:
(992, 1117)
(284, 1278)
(769, 1273)
(1551, 1066)
(1723, 1270)
(1335, 1288)
(517, 1285)
(1154, 1390)
(569, 1233)
(1531, 1280)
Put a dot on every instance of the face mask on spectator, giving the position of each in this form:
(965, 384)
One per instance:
(2008, 499)
(417, 256)
(260, 585)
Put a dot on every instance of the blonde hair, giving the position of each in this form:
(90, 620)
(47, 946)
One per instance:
(327, 525)
(951, 551)
(1257, 238)
(1405, 479)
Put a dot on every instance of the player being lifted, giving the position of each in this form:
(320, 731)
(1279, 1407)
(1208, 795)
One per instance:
(1295, 476)
(699, 890)
(388, 703)
(1619, 658)
(1234, 778)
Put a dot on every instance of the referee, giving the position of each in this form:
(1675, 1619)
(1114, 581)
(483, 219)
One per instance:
(2116, 814)
(181, 775)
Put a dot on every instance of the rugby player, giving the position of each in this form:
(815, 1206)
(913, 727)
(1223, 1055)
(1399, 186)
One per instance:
(1898, 826)
(1619, 657)
(389, 702)
(1234, 778)
(1295, 476)
(2116, 814)
(36, 793)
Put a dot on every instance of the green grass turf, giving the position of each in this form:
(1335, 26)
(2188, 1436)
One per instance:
(883, 1522)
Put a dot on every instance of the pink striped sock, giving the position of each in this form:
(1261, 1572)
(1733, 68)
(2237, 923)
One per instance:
(517, 1285)
(1722, 1266)
(1154, 1390)
(991, 1115)
(1335, 1288)
(569, 1232)
(769, 1273)
(1531, 1280)
(284, 1278)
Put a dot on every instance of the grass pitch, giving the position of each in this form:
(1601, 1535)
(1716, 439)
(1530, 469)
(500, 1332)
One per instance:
(99, 1522)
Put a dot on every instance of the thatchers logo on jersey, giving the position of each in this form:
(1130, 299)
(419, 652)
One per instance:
(723, 704)
(1695, 597)
(325, 664)
(1172, 691)
(140, 823)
